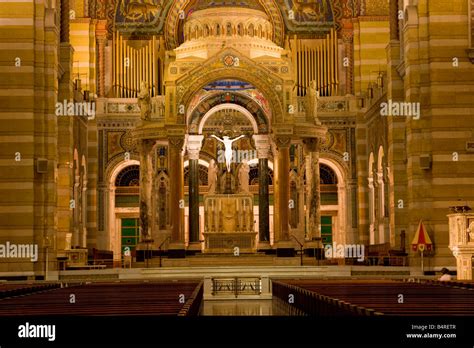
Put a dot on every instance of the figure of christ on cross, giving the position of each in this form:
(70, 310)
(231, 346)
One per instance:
(228, 148)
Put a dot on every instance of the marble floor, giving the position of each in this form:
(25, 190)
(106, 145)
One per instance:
(243, 308)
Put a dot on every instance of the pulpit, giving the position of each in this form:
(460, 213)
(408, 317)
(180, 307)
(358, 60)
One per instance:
(229, 223)
(461, 240)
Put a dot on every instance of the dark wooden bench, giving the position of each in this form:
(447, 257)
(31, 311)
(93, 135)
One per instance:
(11, 290)
(361, 297)
(111, 299)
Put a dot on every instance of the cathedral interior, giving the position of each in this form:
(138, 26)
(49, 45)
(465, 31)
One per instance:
(146, 133)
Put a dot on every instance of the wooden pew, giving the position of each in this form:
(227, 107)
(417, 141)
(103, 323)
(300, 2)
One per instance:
(11, 290)
(379, 296)
(110, 299)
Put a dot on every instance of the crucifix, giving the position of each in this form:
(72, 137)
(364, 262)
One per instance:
(228, 148)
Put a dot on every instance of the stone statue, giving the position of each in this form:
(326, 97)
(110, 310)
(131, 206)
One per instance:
(212, 177)
(144, 102)
(244, 177)
(144, 219)
(313, 101)
(228, 148)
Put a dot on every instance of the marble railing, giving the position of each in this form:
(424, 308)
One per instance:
(129, 107)
(327, 105)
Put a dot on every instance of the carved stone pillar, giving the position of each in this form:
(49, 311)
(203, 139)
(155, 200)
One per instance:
(76, 228)
(262, 144)
(101, 34)
(146, 175)
(83, 234)
(176, 175)
(461, 240)
(283, 243)
(347, 35)
(313, 197)
(394, 20)
(194, 143)
(65, 15)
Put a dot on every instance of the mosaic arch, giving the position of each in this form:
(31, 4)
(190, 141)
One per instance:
(252, 94)
(229, 98)
(263, 80)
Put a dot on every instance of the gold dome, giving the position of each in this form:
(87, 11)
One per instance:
(206, 4)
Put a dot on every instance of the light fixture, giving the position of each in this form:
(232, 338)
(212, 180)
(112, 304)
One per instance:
(370, 91)
(380, 81)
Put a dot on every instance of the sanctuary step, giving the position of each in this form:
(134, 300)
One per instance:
(259, 259)
(201, 260)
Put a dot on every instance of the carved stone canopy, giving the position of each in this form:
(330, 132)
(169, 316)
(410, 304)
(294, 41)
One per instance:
(311, 144)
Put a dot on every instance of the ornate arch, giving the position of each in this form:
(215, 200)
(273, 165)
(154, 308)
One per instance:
(263, 79)
(336, 162)
(243, 102)
(219, 107)
(118, 163)
(173, 21)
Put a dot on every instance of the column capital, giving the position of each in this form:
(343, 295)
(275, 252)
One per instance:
(193, 145)
(262, 144)
(176, 142)
(282, 142)
(311, 144)
(146, 145)
(101, 29)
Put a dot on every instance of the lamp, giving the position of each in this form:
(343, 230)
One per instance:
(370, 91)
(380, 80)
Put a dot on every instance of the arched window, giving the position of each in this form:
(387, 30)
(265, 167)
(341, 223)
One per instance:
(202, 175)
(251, 30)
(253, 175)
(206, 31)
(129, 176)
(328, 182)
(195, 32)
(218, 30)
(268, 33)
(240, 30)
(228, 29)
(327, 175)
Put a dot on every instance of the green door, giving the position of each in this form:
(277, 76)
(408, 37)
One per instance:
(130, 233)
(326, 230)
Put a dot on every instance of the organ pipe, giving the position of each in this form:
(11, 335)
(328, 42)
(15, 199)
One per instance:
(317, 62)
(142, 66)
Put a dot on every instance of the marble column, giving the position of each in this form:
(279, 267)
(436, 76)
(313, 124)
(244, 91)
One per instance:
(394, 35)
(313, 197)
(101, 35)
(83, 232)
(262, 144)
(284, 245)
(194, 143)
(76, 228)
(146, 173)
(176, 174)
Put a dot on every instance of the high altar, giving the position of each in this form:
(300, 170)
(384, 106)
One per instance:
(229, 223)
